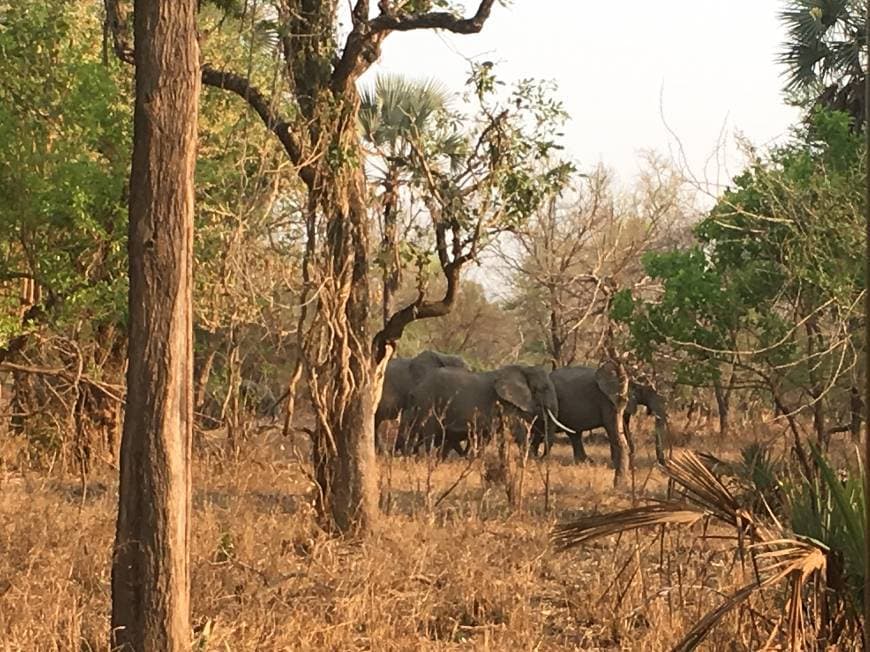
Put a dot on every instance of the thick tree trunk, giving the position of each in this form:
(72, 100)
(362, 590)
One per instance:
(344, 378)
(150, 571)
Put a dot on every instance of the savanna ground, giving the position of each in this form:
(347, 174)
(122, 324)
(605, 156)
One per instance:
(454, 567)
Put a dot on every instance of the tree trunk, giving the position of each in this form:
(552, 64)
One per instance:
(344, 378)
(856, 414)
(623, 454)
(389, 245)
(816, 389)
(555, 337)
(150, 569)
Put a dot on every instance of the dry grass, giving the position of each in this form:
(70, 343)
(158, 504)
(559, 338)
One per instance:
(455, 566)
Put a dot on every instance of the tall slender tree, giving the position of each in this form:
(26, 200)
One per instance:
(150, 571)
(395, 115)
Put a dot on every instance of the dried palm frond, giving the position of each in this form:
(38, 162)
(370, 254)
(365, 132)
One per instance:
(697, 634)
(716, 464)
(780, 557)
(701, 487)
(795, 561)
(575, 533)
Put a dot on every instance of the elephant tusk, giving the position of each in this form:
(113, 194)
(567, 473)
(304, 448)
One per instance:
(560, 424)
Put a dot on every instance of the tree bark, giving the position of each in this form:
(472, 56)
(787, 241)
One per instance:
(344, 376)
(389, 245)
(150, 569)
(623, 461)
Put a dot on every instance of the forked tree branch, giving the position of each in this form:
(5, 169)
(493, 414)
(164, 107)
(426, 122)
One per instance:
(420, 309)
(362, 47)
(398, 22)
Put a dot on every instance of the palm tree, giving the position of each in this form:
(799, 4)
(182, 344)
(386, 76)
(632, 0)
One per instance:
(823, 53)
(398, 118)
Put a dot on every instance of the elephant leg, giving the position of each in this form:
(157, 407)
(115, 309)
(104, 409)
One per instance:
(539, 438)
(402, 445)
(548, 443)
(425, 440)
(446, 442)
(580, 455)
(405, 437)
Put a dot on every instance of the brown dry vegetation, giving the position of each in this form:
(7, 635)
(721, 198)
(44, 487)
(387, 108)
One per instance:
(467, 573)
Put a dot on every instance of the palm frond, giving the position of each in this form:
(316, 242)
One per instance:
(823, 43)
(798, 563)
(575, 533)
(396, 108)
(700, 487)
(795, 562)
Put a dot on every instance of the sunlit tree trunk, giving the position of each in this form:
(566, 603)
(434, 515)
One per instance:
(150, 570)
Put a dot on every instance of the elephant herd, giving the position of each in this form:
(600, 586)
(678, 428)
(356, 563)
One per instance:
(441, 403)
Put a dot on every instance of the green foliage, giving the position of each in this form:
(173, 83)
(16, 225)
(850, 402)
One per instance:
(622, 306)
(64, 158)
(780, 253)
(831, 511)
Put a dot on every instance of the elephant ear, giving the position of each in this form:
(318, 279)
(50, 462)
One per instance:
(608, 382)
(511, 386)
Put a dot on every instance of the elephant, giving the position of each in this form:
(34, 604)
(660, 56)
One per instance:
(450, 404)
(402, 375)
(587, 400)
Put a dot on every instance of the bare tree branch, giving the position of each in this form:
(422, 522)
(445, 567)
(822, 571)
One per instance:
(395, 22)
(362, 46)
(275, 123)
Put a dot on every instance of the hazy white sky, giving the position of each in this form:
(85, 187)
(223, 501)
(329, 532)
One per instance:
(625, 68)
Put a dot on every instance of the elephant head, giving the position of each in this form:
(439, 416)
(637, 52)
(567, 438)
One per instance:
(639, 393)
(531, 391)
